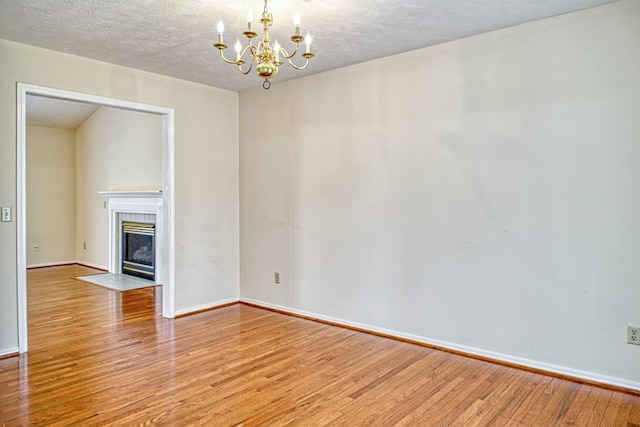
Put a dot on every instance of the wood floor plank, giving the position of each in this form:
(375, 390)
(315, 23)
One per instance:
(501, 399)
(560, 399)
(634, 412)
(599, 408)
(102, 358)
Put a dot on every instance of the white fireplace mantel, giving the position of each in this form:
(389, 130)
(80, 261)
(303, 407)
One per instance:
(133, 202)
(128, 193)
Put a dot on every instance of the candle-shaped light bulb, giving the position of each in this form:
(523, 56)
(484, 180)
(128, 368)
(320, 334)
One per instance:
(238, 49)
(220, 31)
(308, 40)
(296, 23)
(249, 19)
(276, 51)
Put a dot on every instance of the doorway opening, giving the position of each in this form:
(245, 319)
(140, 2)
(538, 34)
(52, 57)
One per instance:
(168, 147)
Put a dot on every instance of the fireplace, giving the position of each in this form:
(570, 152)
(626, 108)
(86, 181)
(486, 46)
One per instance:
(138, 249)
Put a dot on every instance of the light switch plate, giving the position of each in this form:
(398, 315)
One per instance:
(6, 214)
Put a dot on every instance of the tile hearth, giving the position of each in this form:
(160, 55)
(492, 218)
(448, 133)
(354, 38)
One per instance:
(117, 282)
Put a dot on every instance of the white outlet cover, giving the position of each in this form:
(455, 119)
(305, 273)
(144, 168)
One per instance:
(6, 214)
(633, 334)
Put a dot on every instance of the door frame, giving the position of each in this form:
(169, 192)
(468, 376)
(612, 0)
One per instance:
(168, 182)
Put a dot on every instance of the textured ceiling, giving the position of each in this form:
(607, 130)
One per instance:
(176, 37)
(57, 113)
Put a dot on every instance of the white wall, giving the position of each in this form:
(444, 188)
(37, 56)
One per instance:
(482, 194)
(51, 195)
(116, 150)
(206, 169)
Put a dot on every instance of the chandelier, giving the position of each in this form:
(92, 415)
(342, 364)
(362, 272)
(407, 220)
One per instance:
(267, 57)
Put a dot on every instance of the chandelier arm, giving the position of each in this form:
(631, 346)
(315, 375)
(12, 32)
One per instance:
(248, 70)
(252, 51)
(299, 67)
(286, 54)
(228, 61)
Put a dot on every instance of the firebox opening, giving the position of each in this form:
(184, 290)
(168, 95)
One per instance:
(138, 250)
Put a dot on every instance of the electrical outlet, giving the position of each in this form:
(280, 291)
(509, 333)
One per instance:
(633, 334)
(276, 278)
(36, 246)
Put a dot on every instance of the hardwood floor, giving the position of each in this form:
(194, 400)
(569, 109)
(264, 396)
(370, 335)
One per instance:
(101, 358)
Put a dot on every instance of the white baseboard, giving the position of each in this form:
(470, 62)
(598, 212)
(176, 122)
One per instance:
(203, 307)
(484, 354)
(9, 352)
(88, 264)
(50, 264)
(55, 264)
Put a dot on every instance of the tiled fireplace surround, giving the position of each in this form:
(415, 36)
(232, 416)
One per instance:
(135, 206)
